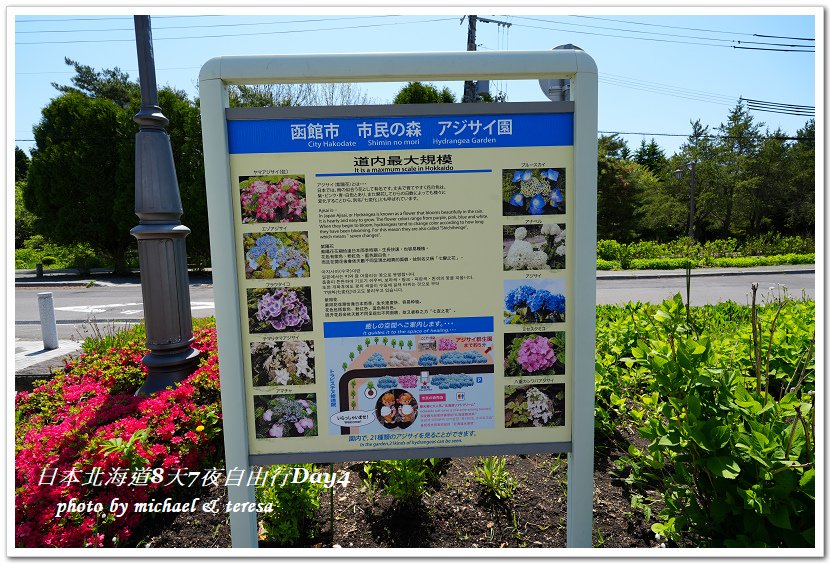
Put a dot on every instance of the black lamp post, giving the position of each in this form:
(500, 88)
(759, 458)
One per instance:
(679, 174)
(162, 255)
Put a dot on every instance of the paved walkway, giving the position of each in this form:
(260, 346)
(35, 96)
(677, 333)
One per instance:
(28, 353)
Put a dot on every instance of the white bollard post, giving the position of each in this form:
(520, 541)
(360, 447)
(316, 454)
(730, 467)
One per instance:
(48, 325)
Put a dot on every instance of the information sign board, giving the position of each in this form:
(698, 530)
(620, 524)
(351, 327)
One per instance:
(403, 278)
(404, 281)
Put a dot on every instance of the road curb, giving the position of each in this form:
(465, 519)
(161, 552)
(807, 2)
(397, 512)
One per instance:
(87, 283)
(91, 283)
(657, 274)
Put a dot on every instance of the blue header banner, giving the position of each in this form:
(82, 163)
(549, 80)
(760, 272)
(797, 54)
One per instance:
(395, 133)
(452, 325)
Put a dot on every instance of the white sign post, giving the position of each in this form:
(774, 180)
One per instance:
(441, 154)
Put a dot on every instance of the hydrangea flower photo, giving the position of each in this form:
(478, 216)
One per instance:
(282, 363)
(534, 301)
(542, 406)
(285, 416)
(540, 353)
(534, 247)
(533, 191)
(279, 310)
(272, 199)
(276, 255)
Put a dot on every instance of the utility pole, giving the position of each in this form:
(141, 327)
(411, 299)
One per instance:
(470, 85)
(692, 200)
(162, 255)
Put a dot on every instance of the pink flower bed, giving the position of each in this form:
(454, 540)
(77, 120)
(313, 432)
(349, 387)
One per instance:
(67, 428)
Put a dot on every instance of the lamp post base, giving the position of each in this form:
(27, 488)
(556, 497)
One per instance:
(166, 370)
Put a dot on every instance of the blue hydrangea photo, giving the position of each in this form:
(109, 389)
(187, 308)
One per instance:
(534, 301)
(276, 255)
(533, 191)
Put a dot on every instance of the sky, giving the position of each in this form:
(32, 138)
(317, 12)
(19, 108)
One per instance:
(659, 68)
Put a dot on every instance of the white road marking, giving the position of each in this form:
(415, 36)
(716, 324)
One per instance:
(95, 308)
(194, 305)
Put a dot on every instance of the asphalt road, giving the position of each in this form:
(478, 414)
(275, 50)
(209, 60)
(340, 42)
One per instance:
(80, 311)
(707, 290)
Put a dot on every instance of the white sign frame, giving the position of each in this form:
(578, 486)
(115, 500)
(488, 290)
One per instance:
(574, 65)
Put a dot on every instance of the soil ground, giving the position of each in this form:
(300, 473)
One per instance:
(456, 512)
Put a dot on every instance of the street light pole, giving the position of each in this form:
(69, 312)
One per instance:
(162, 254)
(678, 174)
(692, 200)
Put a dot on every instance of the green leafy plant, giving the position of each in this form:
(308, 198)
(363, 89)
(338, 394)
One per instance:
(101, 337)
(407, 480)
(736, 462)
(128, 450)
(294, 504)
(493, 474)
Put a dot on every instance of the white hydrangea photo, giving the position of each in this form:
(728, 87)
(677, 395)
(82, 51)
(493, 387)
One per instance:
(534, 247)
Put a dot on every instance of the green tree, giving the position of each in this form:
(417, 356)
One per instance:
(419, 93)
(24, 220)
(800, 192)
(737, 147)
(76, 184)
(21, 164)
(651, 156)
(108, 84)
(616, 194)
(709, 177)
(765, 210)
(274, 95)
(86, 140)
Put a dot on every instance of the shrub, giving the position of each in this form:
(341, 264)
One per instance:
(728, 414)
(407, 480)
(83, 258)
(607, 249)
(754, 261)
(771, 244)
(294, 504)
(87, 417)
(662, 263)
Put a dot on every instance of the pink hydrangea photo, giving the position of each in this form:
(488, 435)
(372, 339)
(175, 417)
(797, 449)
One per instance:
(272, 199)
(534, 354)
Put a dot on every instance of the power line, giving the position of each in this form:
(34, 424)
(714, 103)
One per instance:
(791, 106)
(657, 33)
(700, 96)
(235, 34)
(646, 38)
(663, 25)
(779, 37)
(771, 49)
(130, 18)
(197, 26)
